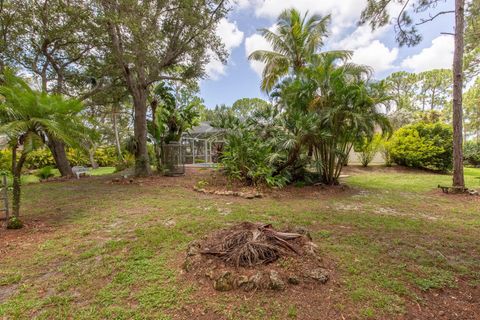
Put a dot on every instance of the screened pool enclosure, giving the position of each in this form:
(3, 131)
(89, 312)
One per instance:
(200, 147)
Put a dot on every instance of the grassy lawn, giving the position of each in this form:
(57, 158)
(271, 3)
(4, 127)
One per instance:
(96, 250)
(32, 178)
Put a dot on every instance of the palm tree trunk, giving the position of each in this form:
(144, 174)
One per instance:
(458, 178)
(17, 172)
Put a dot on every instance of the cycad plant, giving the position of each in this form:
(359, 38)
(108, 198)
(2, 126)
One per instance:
(28, 118)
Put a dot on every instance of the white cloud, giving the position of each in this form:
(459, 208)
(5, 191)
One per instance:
(256, 42)
(438, 56)
(361, 37)
(345, 13)
(243, 4)
(231, 37)
(376, 55)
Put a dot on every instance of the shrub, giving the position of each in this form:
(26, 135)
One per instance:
(106, 156)
(386, 153)
(77, 157)
(423, 145)
(14, 223)
(39, 158)
(246, 158)
(128, 162)
(367, 149)
(5, 160)
(45, 172)
(471, 153)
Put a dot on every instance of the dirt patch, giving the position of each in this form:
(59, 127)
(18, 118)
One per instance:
(7, 291)
(457, 197)
(462, 302)
(254, 256)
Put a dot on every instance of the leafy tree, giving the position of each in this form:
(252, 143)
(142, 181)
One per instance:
(376, 13)
(472, 40)
(245, 106)
(472, 109)
(28, 118)
(402, 86)
(52, 41)
(435, 88)
(151, 41)
(295, 40)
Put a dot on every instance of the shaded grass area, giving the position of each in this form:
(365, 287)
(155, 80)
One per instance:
(32, 178)
(112, 251)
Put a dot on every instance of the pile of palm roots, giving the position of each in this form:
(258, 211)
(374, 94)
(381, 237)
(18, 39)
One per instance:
(250, 244)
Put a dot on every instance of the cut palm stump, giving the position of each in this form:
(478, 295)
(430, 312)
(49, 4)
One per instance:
(251, 256)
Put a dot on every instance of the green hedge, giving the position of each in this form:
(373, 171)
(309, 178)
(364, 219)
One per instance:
(423, 145)
(40, 158)
(471, 153)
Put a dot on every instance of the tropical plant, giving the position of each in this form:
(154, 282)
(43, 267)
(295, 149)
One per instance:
(247, 158)
(39, 158)
(322, 103)
(45, 172)
(342, 105)
(28, 118)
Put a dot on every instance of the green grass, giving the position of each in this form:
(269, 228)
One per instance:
(32, 178)
(419, 182)
(108, 253)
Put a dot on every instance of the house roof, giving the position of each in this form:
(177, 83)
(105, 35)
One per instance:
(204, 130)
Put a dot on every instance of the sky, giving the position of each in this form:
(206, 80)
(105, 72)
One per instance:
(240, 78)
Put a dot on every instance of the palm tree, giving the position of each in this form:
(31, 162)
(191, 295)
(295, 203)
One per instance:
(28, 118)
(347, 105)
(295, 40)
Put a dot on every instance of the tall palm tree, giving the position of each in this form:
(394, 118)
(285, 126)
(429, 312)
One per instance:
(295, 40)
(28, 118)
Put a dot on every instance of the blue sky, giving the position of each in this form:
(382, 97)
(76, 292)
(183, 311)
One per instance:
(240, 78)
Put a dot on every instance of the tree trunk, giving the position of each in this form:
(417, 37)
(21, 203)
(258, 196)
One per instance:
(17, 173)
(57, 148)
(458, 178)
(91, 156)
(117, 136)
(137, 86)
(142, 162)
